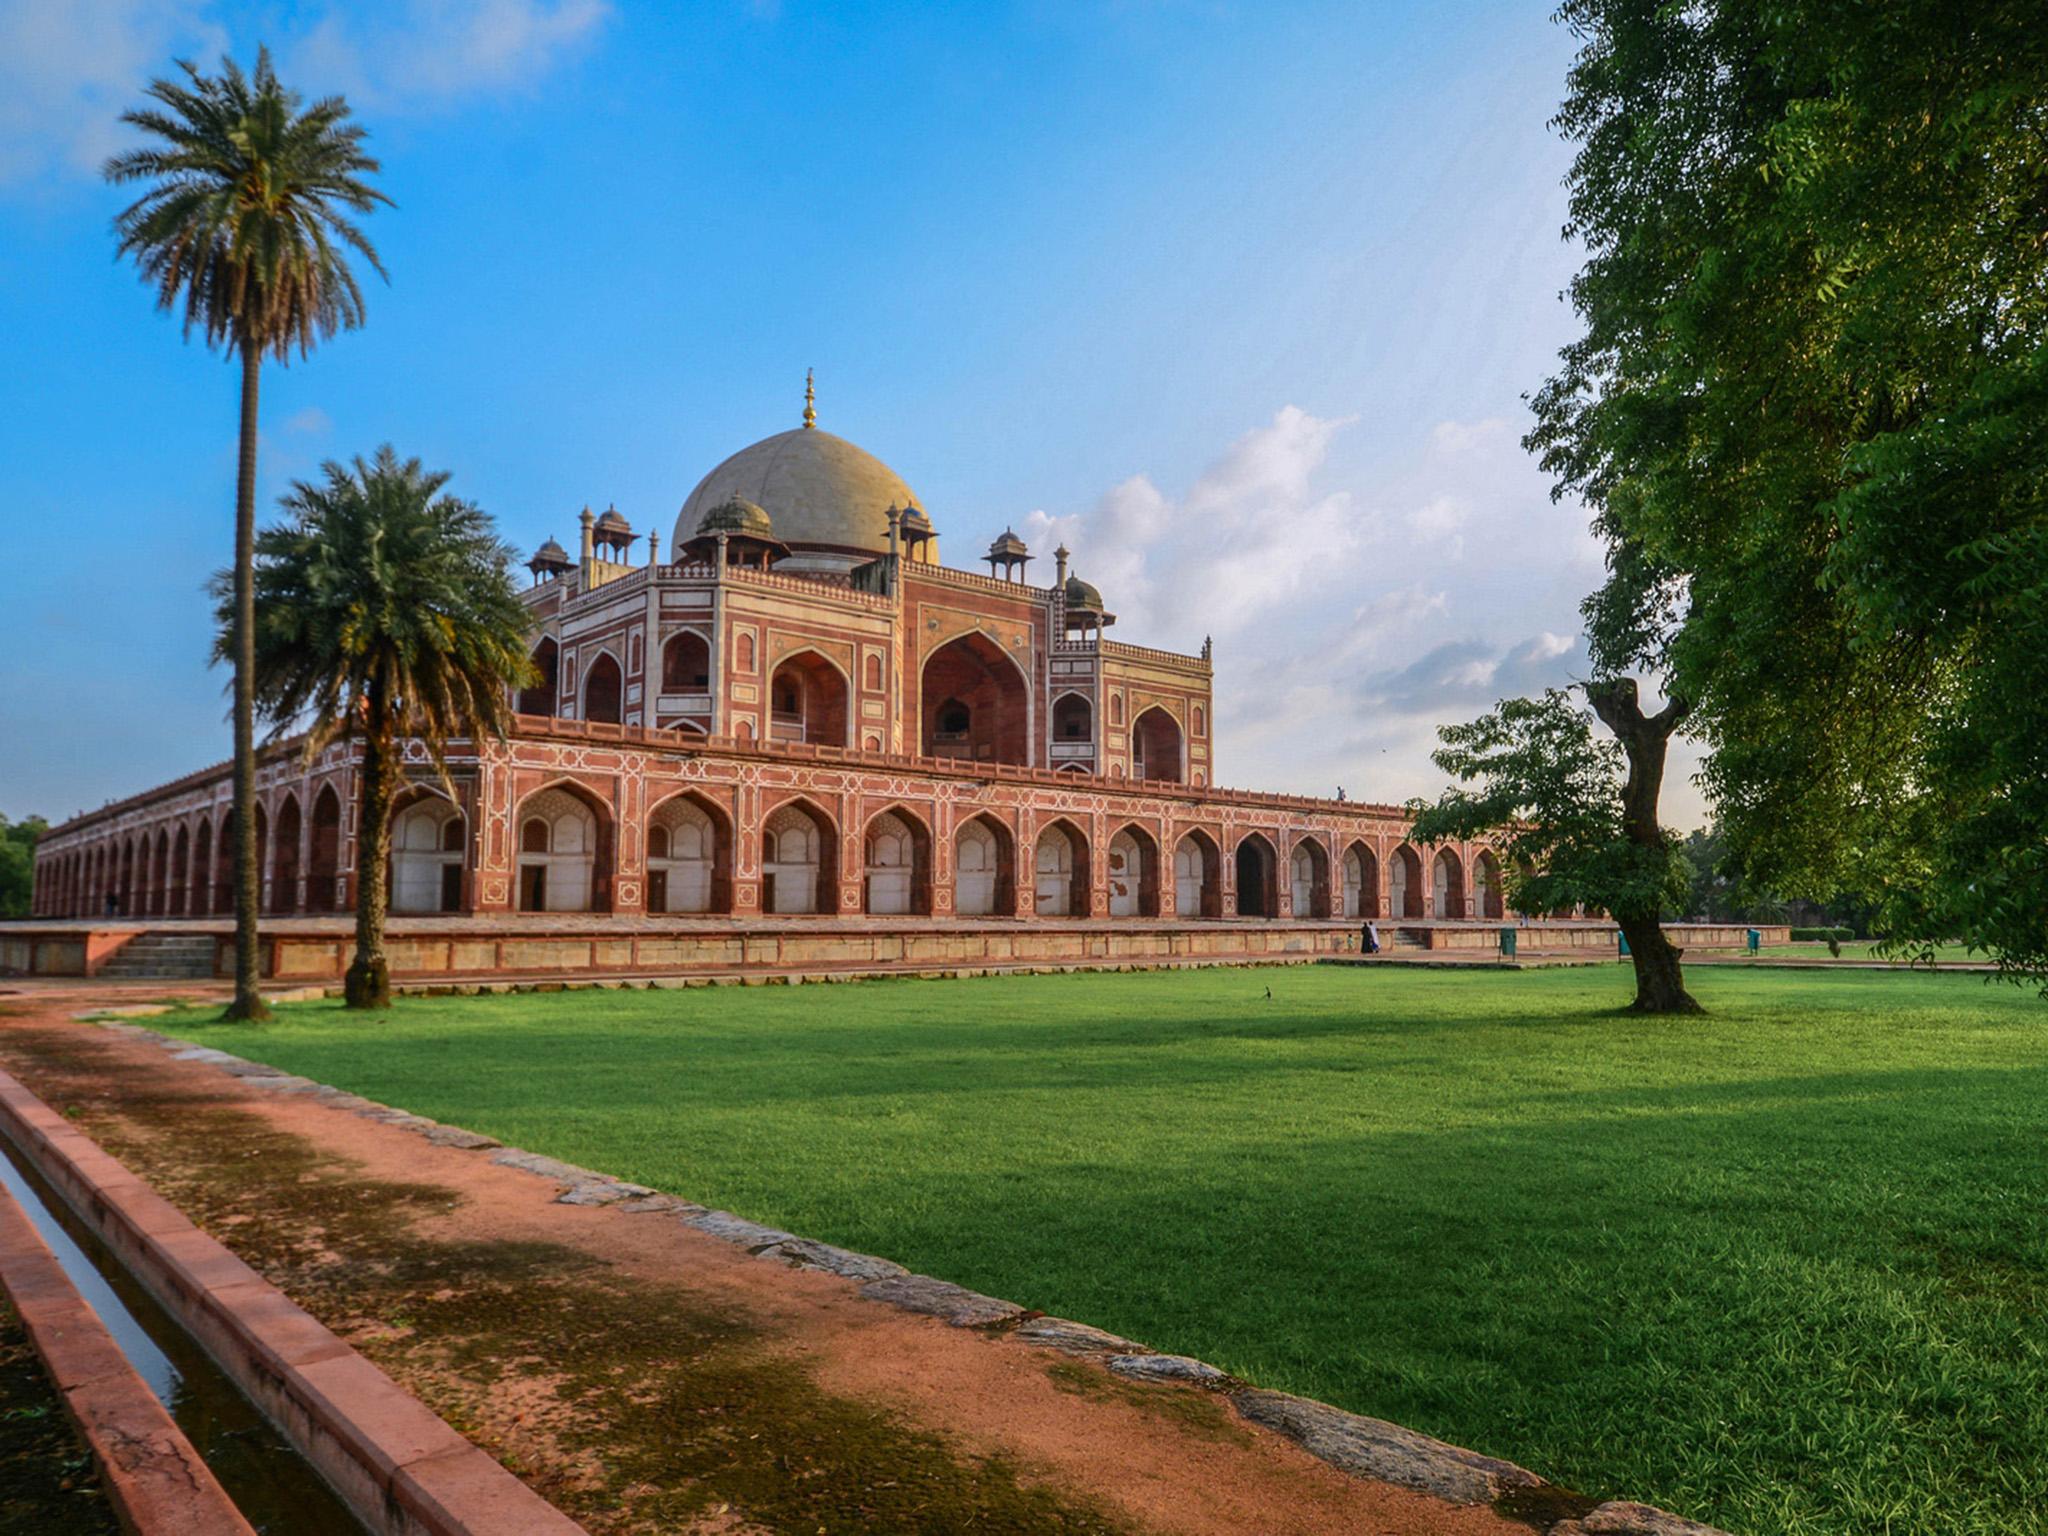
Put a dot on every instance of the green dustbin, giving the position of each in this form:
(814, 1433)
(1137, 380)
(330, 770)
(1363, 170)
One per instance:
(1507, 943)
(1756, 941)
(1621, 939)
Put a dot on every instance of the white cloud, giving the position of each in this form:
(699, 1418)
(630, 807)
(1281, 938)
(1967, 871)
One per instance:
(310, 421)
(1350, 620)
(428, 54)
(69, 68)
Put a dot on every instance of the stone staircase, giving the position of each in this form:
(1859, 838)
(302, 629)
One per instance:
(161, 956)
(1405, 938)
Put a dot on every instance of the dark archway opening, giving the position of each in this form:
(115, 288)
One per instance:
(975, 704)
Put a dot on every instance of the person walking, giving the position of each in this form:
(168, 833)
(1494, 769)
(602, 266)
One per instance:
(1369, 938)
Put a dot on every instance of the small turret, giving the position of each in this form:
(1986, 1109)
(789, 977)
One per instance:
(1009, 552)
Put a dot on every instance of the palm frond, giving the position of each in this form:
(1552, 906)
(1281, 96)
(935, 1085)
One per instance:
(245, 222)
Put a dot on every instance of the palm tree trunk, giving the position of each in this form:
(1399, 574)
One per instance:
(369, 976)
(248, 1002)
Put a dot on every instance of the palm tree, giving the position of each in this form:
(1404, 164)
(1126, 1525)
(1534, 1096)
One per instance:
(384, 611)
(246, 222)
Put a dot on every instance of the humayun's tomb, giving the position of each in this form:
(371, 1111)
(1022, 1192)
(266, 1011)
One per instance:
(804, 742)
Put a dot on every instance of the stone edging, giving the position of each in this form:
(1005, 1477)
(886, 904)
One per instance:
(157, 1482)
(394, 1462)
(1365, 1447)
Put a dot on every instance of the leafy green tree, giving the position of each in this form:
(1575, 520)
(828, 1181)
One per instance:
(1576, 816)
(246, 224)
(18, 841)
(1809, 409)
(385, 611)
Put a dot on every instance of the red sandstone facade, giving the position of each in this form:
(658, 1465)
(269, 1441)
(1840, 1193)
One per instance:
(805, 714)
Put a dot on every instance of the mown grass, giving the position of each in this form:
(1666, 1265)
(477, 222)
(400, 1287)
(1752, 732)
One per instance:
(1783, 1268)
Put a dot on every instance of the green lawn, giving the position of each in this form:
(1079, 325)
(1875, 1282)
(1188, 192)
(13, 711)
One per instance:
(1862, 949)
(1784, 1268)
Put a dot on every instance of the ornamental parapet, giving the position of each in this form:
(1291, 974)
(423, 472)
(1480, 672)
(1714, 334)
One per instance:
(945, 575)
(679, 744)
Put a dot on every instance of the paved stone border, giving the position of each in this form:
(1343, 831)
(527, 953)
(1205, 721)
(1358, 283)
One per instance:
(1364, 1447)
(156, 1480)
(393, 1461)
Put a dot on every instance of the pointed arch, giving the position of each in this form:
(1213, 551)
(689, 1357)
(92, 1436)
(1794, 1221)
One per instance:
(686, 663)
(799, 859)
(604, 690)
(689, 855)
(1197, 875)
(429, 852)
(1133, 872)
(1157, 748)
(181, 870)
(543, 697)
(160, 874)
(1308, 877)
(1404, 883)
(807, 701)
(974, 702)
(1258, 879)
(323, 852)
(1063, 882)
(1361, 874)
(896, 853)
(1447, 884)
(1073, 719)
(1488, 900)
(202, 868)
(563, 834)
(284, 863)
(984, 868)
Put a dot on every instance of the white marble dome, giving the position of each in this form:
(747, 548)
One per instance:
(828, 498)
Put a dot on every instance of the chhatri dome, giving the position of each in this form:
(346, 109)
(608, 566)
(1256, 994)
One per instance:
(829, 499)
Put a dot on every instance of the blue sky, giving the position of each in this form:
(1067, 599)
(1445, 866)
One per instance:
(1239, 299)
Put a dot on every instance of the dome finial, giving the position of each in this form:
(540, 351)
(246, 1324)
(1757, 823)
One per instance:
(810, 399)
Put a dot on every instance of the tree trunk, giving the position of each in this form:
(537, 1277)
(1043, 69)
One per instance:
(369, 976)
(248, 1001)
(1660, 983)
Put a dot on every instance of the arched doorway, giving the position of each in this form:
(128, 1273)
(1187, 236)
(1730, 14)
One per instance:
(540, 698)
(160, 875)
(561, 854)
(974, 703)
(427, 839)
(1073, 721)
(604, 691)
(896, 854)
(181, 871)
(1308, 882)
(1404, 883)
(284, 869)
(984, 874)
(686, 664)
(1133, 874)
(1197, 877)
(1447, 885)
(1061, 881)
(1361, 882)
(689, 857)
(799, 870)
(323, 861)
(1257, 884)
(202, 868)
(1487, 898)
(1156, 747)
(807, 700)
